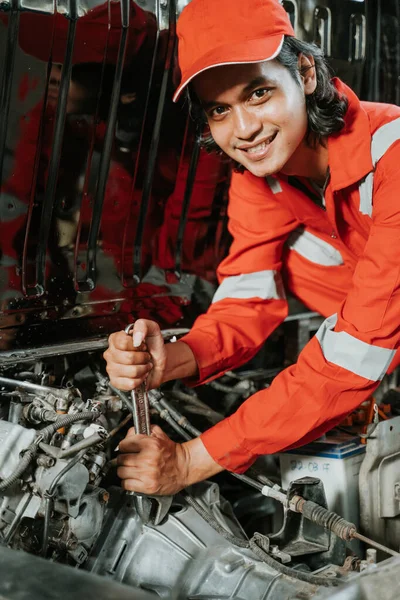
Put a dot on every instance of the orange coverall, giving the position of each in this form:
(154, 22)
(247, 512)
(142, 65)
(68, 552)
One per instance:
(340, 255)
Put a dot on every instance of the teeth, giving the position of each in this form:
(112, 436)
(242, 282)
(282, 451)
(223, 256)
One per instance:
(258, 148)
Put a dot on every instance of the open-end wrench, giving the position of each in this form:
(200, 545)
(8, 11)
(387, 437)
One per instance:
(150, 508)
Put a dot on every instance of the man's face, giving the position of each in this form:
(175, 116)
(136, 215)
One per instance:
(256, 113)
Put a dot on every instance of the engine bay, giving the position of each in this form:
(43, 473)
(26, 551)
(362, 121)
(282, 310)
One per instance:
(237, 536)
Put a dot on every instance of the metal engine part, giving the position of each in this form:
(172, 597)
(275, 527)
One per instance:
(13, 440)
(381, 582)
(60, 506)
(380, 484)
(186, 557)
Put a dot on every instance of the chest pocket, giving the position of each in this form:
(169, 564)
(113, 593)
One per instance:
(381, 141)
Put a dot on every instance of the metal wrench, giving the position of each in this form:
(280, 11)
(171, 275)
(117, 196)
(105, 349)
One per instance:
(151, 509)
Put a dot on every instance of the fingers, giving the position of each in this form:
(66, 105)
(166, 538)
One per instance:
(157, 432)
(127, 357)
(120, 341)
(131, 443)
(128, 377)
(144, 328)
(135, 443)
(150, 464)
(132, 371)
(139, 468)
(126, 367)
(149, 331)
(142, 485)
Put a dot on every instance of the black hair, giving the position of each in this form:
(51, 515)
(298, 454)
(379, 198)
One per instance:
(326, 107)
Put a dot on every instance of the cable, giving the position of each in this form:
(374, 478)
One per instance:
(66, 420)
(164, 414)
(334, 522)
(203, 408)
(180, 419)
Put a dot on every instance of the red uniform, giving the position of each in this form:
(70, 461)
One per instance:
(340, 257)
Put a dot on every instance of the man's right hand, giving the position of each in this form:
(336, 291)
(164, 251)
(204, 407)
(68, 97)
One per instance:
(126, 366)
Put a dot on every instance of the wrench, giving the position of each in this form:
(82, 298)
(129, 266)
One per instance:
(151, 509)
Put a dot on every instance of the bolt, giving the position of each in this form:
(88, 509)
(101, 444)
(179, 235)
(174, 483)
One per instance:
(45, 461)
(24, 532)
(72, 544)
(104, 497)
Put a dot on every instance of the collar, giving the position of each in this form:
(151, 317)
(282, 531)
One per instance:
(349, 151)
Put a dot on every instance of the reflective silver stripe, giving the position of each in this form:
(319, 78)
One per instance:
(381, 141)
(314, 249)
(266, 285)
(350, 353)
(366, 189)
(274, 184)
(383, 138)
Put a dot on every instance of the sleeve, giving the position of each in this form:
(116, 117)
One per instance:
(250, 301)
(343, 363)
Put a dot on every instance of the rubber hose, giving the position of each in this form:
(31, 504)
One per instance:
(66, 420)
(328, 519)
(23, 464)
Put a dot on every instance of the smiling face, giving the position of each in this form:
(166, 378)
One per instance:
(257, 113)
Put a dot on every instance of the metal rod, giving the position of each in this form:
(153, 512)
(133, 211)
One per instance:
(7, 79)
(48, 203)
(92, 440)
(17, 519)
(41, 390)
(153, 151)
(164, 414)
(90, 279)
(186, 202)
(376, 545)
(120, 426)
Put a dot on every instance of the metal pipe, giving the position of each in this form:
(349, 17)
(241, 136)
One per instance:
(92, 440)
(164, 414)
(40, 390)
(376, 545)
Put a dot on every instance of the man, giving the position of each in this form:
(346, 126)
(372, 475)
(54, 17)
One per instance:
(317, 203)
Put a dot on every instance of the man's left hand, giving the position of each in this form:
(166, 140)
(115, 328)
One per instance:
(152, 464)
(157, 466)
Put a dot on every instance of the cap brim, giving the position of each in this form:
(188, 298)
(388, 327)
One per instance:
(249, 51)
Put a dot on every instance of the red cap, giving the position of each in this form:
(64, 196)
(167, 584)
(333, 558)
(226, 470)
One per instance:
(212, 33)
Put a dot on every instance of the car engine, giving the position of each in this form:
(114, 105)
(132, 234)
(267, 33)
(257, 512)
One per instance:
(60, 497)
(112, 210)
